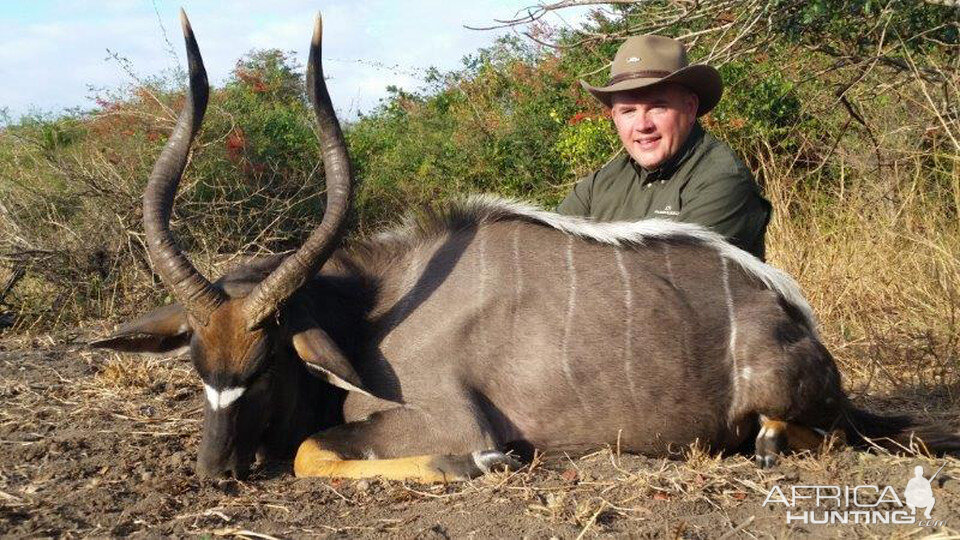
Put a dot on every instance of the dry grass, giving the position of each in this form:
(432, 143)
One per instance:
(887, 293)
(875, 243)
(92, 433)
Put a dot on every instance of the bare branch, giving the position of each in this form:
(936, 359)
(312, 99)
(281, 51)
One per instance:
(536, 12)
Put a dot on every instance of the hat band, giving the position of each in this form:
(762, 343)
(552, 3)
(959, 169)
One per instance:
(643, 74)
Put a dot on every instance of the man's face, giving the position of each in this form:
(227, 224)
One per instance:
(654, 122)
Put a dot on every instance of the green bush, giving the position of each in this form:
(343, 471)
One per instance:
(511, 120)
(759, 105)
(584, 141)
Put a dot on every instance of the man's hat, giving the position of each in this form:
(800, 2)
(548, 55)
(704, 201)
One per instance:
(648, 60)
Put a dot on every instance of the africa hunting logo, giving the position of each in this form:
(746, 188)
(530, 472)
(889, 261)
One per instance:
(865, 504)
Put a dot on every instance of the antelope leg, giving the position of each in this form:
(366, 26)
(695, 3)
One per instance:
(401, 444)
(313, 460)
(778, 437)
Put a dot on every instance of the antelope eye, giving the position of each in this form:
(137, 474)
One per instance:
(259, 373)
(257, 361)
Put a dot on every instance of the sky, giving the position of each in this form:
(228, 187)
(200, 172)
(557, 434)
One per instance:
(52, 53)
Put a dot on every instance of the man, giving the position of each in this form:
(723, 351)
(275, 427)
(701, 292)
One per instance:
(672, 169)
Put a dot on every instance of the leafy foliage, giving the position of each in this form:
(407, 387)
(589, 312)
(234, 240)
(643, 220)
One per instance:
(852, 25)
(822, 99)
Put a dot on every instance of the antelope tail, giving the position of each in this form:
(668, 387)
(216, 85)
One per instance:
(898, 433)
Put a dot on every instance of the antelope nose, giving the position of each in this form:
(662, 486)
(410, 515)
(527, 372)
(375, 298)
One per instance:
(206, 469)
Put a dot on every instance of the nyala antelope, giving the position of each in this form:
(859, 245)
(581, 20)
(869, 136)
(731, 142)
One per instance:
(475, 333)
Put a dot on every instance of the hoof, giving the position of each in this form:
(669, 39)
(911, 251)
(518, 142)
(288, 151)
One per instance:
(467, 466)
(766, 461)
(771, 442)
(494, 460)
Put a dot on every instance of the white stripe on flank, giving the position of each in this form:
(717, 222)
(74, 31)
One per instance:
(221, 399)
(482, 248)
(517, 280)
(732, 344)
(568, 323)
(628, 323)
(639, 233)
(482, 293)
(666, 257)
(730, 307)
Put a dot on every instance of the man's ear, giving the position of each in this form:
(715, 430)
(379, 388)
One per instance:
(322, 355)
(694, 103)
(162, 330)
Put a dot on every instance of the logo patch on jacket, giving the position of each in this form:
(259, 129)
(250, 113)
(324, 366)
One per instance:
(667, 211)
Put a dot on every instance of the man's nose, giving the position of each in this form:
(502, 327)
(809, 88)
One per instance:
(643, 123)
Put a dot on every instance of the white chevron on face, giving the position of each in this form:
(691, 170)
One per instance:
(221, 399)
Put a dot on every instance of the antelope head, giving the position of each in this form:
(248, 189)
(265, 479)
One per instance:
(248, 357)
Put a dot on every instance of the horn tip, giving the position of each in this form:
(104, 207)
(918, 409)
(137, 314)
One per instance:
(317, 30)
(185, 23)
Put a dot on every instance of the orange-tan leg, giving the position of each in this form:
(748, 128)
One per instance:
(314, 460)
(778, 437)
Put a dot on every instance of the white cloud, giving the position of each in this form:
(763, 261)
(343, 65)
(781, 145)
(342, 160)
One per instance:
(50, 64)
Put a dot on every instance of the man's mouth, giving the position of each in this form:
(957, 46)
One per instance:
(647, 143)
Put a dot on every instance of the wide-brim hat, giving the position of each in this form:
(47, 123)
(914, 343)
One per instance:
(649, 60)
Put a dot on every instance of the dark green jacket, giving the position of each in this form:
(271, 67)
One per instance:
(703, 183)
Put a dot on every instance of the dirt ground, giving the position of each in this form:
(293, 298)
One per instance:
(96, 444)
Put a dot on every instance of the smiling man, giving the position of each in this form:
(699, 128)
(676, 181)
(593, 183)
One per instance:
(672, 169)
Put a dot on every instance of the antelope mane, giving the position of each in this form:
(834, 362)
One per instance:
(479, 210)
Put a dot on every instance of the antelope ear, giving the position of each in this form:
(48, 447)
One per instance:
(322, 355)
(162, 330)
